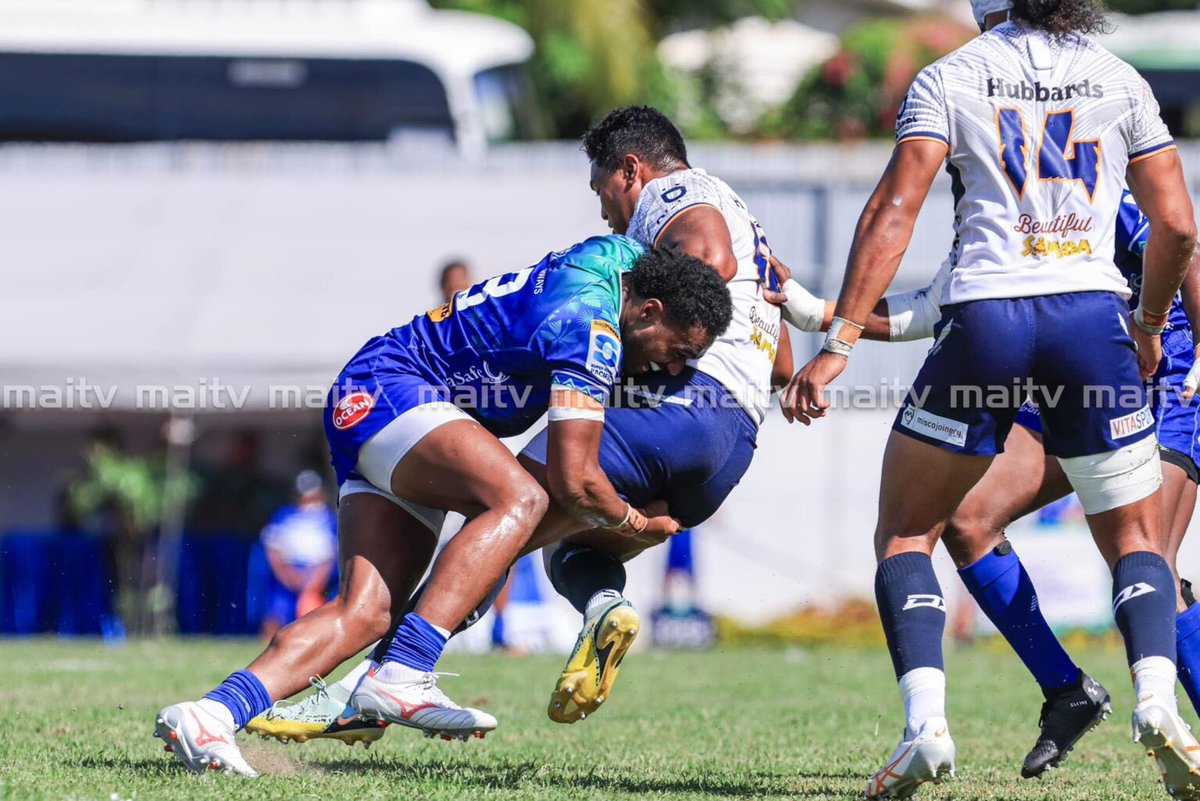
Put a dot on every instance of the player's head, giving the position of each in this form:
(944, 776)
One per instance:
(455, 277)
(629, 148)
(675, 306)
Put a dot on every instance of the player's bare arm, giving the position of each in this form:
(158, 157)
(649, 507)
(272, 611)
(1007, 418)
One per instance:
(880, 240)
(700, 231)
(1169, 249)
(576, 482)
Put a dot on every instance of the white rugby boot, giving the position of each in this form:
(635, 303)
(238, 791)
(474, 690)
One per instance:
(409, 697)
(200, 739)
(927, 757)
(1170, 742)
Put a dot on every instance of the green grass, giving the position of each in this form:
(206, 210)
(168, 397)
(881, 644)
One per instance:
(76, 719)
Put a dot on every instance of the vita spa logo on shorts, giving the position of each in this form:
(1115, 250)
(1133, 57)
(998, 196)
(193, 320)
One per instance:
(352, 410)
(1131, 424)
(943, 429)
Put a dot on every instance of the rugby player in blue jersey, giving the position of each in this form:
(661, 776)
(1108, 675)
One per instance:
(413, 423)
(1023, 478)
(684, 439)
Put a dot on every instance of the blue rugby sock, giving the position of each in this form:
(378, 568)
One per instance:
(1144, 605)
(418, 644)
(243, 695)
(1187, 642)
(999, 584)
(912, 610)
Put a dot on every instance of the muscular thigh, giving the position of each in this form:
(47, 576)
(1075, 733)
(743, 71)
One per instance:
(1017, 482)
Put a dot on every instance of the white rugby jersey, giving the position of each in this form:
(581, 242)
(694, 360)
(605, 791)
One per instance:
(1040, 133)
(742, 357)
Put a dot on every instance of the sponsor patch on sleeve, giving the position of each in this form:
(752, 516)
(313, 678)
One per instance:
(604, 352)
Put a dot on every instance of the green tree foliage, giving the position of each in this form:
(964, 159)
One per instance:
(857, 92)
(1150, 6)
(594, 55)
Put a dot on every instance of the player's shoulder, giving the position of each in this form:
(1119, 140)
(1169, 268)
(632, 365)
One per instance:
(601, 253)
(666, 196)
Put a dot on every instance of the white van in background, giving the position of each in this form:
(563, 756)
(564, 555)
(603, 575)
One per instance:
(247, 70)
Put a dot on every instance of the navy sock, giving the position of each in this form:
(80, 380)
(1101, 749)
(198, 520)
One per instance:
(243, 695)
(417, 644)
(1187, 642)
(912, 610)
(579, 573)
(999, 584)
(1144, 605)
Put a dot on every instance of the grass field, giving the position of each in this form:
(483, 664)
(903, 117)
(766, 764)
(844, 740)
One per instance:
(76, 719)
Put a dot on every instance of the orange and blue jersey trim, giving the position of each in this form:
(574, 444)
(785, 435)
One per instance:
(930, 135)
(1152, 151)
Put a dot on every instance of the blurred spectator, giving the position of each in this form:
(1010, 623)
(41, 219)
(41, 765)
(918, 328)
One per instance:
(301, 548)
(235, 497)
(455, 277)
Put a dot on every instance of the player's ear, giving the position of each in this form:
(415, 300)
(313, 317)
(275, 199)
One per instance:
(652, 310)
(630, 167)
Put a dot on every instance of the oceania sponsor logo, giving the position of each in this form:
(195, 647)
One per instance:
(1131, 424)
(352, 410)
(1023, 91)
(604, 352)
(482, 373)
(943, 429)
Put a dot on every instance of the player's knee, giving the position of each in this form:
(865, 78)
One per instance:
(527, 501)
(1107, 481)
(967, 537)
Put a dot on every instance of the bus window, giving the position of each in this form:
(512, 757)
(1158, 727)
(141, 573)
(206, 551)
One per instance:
(505, 104)
(110, 98)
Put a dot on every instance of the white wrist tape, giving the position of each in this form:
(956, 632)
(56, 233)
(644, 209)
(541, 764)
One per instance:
(1192, 382)
(1117, 478)
(842, 335)
(803, 309)
(1139, 318)
(557, 413)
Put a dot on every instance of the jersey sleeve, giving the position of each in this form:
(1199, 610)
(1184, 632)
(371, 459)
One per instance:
(1133, 228)
(666, 198)
(1147, 133)
(581, 343)
(923, 114)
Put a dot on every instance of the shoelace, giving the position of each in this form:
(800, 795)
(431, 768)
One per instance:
(322, 693)
(429, 684)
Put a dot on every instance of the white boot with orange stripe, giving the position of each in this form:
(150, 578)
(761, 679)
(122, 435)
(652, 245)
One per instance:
(927, 757)
(200, 735)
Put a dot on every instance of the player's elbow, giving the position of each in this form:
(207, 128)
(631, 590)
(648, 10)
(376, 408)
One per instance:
(1176, 231)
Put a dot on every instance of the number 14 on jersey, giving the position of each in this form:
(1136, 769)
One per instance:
(1058, 157)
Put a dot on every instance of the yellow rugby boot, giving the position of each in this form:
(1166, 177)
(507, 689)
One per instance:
(323, 715)
(587, 680)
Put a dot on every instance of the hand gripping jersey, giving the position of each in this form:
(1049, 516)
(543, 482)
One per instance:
(1040, 132)
(742, 357)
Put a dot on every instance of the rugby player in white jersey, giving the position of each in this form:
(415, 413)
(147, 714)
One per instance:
(684, 439)
(1033, 121)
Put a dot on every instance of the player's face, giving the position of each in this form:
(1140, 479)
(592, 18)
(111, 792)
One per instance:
(617, 195)
(652, 340)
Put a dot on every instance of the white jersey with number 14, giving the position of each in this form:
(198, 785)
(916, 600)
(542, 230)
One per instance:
(1040, 131)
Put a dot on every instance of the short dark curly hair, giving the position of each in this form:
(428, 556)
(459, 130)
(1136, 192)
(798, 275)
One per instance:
(691, 292)
(641, 130)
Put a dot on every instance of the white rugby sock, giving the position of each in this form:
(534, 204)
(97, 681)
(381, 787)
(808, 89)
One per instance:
(219, 711)
(1154, 677)
(599, 598)
(351, 679)
(924, 694)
